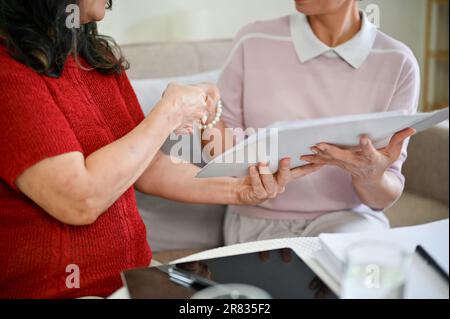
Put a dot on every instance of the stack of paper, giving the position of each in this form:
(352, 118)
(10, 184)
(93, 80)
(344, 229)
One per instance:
(434, 238)
(293, 139)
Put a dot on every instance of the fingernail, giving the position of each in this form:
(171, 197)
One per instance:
(314, 150)
(321, 147)
(264, 170)
(364, 141)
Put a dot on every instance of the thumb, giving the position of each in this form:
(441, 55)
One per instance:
(396, 144)
(401, 136)
(367, 146)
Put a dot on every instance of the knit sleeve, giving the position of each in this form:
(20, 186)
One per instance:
(406, 98)
(131, 100)
(33, 127)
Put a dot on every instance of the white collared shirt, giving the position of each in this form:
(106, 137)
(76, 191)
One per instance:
(354, 52)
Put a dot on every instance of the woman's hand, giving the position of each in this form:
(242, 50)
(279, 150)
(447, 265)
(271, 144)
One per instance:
(374, 184)
(365, 164)
(189, 104)
(212, 99)
(262, 185)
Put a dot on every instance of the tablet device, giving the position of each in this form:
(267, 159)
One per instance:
(278, 274)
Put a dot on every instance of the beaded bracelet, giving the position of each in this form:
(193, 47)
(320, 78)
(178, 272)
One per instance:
(219, 110)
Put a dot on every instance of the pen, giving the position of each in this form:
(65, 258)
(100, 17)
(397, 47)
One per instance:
(430, 261)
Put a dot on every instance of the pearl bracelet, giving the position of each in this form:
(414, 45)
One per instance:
(219, 110)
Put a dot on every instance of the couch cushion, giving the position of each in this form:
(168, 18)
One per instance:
(413, 209)
(427, 167)
(149, 91)
(156, 60)
(175, 226)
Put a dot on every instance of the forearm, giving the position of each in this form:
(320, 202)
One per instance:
(381, 193)
(76, 190)
(116, 167)
(176, 181)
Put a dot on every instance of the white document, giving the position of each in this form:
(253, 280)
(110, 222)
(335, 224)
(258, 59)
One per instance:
(423, 283)
(294, 139)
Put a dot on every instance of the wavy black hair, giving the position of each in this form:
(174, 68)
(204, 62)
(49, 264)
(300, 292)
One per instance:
(35, 33)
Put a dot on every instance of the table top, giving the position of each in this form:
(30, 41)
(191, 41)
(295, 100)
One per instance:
(306, 248)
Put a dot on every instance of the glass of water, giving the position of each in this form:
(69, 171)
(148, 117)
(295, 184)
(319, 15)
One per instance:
(375, 270)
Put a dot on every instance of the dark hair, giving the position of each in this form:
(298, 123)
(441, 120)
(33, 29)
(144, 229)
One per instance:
(35, 33)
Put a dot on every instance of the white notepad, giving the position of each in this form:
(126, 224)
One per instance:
(294, 139)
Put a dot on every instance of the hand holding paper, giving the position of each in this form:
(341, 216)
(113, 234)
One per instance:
(365, 163)
(293, 139)
(262, 185)
(367, 167)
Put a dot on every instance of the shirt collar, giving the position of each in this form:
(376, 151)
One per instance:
(354, 51)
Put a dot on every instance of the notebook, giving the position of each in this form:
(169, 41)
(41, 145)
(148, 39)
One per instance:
(294, 139)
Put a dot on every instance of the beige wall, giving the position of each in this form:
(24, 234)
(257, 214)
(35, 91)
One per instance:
(135, 21)
(404, 20)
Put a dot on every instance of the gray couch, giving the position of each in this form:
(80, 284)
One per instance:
(174, 226)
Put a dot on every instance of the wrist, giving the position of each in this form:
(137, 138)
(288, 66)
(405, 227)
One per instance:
(220, 191)
(379, 193)
(369, 182)
(168, 109)
(234, 191)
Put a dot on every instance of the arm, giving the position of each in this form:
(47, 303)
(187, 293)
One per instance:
(77, 190)
(376, 174)
(175, 181)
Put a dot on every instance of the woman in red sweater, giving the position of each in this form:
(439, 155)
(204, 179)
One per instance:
(75, 144)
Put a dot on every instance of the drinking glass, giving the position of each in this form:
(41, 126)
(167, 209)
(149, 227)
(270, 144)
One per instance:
(375, 270)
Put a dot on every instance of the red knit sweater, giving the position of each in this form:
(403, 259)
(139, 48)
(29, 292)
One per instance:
(41, 117)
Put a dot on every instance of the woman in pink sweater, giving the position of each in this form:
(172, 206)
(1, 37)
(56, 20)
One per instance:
(326, 60)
